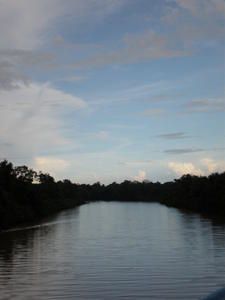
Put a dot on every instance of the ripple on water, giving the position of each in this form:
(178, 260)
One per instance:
(114, 251)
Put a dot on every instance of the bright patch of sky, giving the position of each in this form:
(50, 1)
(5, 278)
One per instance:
(108, 90)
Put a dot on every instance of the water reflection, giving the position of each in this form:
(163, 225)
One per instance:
(114, 250)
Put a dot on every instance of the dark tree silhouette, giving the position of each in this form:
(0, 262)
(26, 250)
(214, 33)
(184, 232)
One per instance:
(24, 174)
(27, 196)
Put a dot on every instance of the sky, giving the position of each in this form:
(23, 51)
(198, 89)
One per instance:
(113, 90)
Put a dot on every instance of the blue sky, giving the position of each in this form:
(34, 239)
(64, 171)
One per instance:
(108, 90)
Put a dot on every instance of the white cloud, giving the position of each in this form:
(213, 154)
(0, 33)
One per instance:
(141, 176)
(182, 168)
(31, 118)
(204, 166)
(50, 165)
(26, 24)
(211, 165)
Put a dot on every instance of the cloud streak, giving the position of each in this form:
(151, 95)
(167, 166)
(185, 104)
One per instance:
(173, 136)
(183, 151)
(153, 112)
(136, 163)
(206, 105)
(134, 48)
(192, 150)
(184, 27)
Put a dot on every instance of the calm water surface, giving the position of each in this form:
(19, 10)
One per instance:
(114, 251)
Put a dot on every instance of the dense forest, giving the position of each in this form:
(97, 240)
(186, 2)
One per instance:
(26, 195)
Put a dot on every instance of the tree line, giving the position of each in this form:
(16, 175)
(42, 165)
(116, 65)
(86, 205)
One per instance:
(26, 195)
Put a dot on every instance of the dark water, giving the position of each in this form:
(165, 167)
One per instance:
(114, 251)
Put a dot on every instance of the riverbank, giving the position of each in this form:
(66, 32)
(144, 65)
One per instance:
(26, 195)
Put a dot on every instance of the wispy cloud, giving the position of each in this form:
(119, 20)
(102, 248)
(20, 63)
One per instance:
(185, 27)
(49, 47)
(173, 135)
(102, 135)
(153, 112)
(134, 48)
(136, 163)
(206, 105)
(195, 23)
(201, 8)
(10, 76)
(25, 36)
(183, 151)
(73, 78)
(193, 150)
(15, 62)
(148, 92)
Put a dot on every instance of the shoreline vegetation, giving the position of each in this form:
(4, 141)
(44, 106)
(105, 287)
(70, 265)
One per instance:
(27, 196)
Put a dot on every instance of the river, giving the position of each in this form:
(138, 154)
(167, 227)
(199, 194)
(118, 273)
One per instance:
(114, 251)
